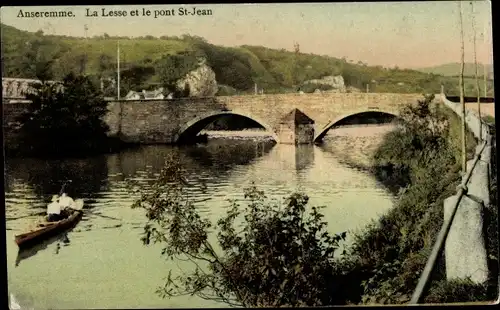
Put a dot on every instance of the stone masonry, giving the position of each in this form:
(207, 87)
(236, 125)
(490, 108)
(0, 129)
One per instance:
(296, 128)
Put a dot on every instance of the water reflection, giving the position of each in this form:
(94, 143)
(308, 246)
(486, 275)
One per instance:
(107, 260)
(45, 177)
(25, 253)
(297, 157)
(217, 158)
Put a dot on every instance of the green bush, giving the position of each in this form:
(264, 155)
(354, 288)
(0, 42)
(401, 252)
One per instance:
(265, 254)
(489, 119)
(456, 291)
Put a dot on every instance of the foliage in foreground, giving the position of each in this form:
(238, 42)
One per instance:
(266, 255)
(457, 291)
(63, 118)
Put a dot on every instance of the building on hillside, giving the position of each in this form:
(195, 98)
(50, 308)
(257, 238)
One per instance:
(296, 128)
(133, 95)
(145, 95)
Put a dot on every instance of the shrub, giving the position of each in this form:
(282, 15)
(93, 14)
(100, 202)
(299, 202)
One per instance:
(267, 255)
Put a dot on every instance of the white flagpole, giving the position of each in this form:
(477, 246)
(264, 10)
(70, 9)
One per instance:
(118, 69)
(484, 63)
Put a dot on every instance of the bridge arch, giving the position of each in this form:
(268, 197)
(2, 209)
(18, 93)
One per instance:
(323, 131)
(195, 125)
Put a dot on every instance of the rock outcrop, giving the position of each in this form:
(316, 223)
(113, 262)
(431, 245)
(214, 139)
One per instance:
(336, 82)
(201, 82)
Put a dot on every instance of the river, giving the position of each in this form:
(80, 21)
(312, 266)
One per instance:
(103, 264)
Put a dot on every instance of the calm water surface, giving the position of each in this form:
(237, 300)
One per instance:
(103, 264)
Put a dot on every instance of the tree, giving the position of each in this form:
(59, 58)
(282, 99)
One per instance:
(38, 58)
(172, 68)
(296, 48)
(266, 254)
(105, 64)
(64, 117)
(81, 62)
(136, 76)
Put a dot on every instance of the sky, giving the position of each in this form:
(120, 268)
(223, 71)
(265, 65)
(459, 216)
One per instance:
(403, 34)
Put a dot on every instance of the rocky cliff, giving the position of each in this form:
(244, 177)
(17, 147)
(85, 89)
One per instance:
(201, 82)
(337, 82)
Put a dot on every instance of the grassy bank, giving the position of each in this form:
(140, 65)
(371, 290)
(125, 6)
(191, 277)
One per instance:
(422, 162)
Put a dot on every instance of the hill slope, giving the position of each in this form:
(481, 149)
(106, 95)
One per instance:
(453, 69)
(237, 69)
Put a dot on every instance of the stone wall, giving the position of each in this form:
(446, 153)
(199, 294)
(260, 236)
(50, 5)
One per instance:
(304, 134)
(465, 251)
(286, 133)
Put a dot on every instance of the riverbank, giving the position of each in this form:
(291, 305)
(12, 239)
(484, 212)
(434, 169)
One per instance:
(389, 255)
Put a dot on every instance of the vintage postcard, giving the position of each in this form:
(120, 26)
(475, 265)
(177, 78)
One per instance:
(249, 155)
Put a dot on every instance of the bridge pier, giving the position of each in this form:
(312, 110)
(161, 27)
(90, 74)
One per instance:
(296, 128)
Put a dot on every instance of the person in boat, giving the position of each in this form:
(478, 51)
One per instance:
(58, 208)
(54, 210)
(66, 203)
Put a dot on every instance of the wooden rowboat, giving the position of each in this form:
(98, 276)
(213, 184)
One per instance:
(48, 230)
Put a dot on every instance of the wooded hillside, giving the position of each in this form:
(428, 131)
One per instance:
(237, 69)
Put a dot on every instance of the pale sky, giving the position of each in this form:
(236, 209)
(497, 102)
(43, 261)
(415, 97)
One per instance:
(406, 34)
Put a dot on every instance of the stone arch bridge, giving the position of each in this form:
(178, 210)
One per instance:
(170, 121)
